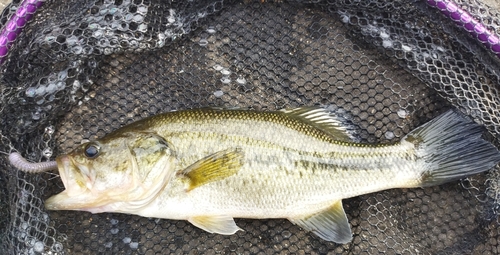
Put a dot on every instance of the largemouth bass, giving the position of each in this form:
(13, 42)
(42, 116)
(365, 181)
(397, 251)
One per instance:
(209, 166)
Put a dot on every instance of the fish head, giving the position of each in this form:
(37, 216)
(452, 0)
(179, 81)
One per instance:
(125, 170)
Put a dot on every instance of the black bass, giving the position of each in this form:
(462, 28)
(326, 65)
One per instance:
(209, 166)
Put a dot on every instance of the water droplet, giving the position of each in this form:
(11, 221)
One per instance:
(40, 90)
(134, 245)
(60, 85)
(211, 30)
(402, 113)
(47, 152)
(114, 231)
(108, 245)
(22, 235)
(114, 221)
(50, 38)
(72, 40)
(45, 217)
(24, 225)
(36, 115)
(49, 130)
(51, 88)
(387, 43)
(225, 71)
(161, 36)
(142, 9)
(389, 135)
(92, 64)
(38, 246)
(142, 28)
(345, 18)
(77, 50)
(138, 18)
(202, 15)
(225, 80)
(115, 25)
(76, 85)
(108, 51)
(218, 93)
(241, 80)
(62, 75)
(97, 33)
(93, 26)
(58, 247)
(129, 17)
(406, 48)
(286, 234)
(218, 67)
(30, 92)
(127, 240)
(203, 42)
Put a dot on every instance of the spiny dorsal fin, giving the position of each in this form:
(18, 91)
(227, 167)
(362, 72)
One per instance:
(219, 224)
(321, 119)
(331, 224)
(215, 167)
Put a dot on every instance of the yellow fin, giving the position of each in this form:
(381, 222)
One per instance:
(219, 224)
(331, 224)
(215, 167)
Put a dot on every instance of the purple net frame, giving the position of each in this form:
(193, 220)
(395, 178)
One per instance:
(465, 19)
(15, 25)
(25, 12)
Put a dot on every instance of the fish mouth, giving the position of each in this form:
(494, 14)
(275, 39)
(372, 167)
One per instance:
(76, 196)
(63, 164)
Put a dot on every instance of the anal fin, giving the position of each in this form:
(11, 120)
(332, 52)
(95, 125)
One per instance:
(331, 224)
(219, 224)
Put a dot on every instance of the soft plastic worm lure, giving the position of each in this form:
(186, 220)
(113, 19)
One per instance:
(22, 164)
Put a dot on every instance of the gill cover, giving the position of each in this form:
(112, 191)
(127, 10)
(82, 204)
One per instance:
(119, 172)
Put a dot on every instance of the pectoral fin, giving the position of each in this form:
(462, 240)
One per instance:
(215, 167)
(331, 224)
(223, 225)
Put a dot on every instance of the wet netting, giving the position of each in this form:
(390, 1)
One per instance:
(81, 69)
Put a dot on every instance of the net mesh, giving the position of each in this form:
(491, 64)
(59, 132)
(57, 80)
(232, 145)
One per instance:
(82, 69)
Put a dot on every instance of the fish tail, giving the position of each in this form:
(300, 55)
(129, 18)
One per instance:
(450, 147)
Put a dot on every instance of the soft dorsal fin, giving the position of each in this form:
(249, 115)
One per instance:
(331, 224)
(214, 167)
(321, 119)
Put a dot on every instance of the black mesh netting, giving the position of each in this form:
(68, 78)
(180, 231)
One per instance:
(81, 69)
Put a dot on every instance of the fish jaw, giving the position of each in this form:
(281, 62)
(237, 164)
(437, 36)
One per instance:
(72, 179)
(63, 201)
(76, 195)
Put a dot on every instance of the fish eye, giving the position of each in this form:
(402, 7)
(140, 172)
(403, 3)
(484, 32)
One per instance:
(91, 150)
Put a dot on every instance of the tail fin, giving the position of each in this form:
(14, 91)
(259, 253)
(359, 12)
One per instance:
(452, 148)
